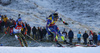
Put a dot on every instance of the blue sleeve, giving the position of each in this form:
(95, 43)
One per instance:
(48, 22)
(23, 26)
(98, 37)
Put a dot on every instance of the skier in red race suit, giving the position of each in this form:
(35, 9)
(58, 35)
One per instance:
(17, 31)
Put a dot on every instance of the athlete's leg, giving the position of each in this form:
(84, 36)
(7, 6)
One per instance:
(23, 39)
(20, 40)
(59, 33)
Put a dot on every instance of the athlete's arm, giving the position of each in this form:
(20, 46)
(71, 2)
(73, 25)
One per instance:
(63, 21)
(49, 22)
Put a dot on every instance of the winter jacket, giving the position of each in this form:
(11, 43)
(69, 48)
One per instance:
(7, 23)
(70, 34)
(64, 34)
(38, 32)
(2, 23)
(44, 31)
(90, 37)
(29, 29)
(34, 30)
(78, 35)
(41, 32)
(5, 19)
(11, 25)
(95, 37)
(85, 35)
(98, 37)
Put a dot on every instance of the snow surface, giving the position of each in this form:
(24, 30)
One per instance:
(49, 50)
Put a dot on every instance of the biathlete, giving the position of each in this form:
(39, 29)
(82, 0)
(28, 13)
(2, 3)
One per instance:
(17, 32)
(51, 27)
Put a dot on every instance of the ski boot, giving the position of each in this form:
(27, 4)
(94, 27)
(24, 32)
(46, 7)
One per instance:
(58, 44)
(66, 42)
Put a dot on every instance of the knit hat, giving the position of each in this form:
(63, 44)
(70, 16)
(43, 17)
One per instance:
(20, 19)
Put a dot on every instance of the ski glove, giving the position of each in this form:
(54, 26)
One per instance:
(6, 32)
(16, 37)
(66, 23)
(63, 21)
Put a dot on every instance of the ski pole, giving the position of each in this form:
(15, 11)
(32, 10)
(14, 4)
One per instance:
(54, 11)
(33, 39)
(3, 35)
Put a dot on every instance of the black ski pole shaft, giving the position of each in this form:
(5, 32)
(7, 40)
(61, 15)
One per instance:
(33, 39)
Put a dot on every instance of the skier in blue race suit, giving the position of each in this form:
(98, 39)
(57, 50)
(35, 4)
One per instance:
(52, 28)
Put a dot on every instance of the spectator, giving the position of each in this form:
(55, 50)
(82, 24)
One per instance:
(2, 17)
(64, 33)
(41, 34)
(95, 38)
(5, 20)
(70, 36)
(99, 39)
(2, 25)
(90, 39)
(26, 24)
(79, 36)
(7, 25)
(34, 32)
(28, 29)
(85, 36)
(91, 32)
(38, 33)
(11, 26)
(44, 32)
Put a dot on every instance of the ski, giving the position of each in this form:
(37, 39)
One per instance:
(91, 46)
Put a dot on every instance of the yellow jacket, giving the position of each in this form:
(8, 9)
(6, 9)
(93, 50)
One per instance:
(5, 19)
